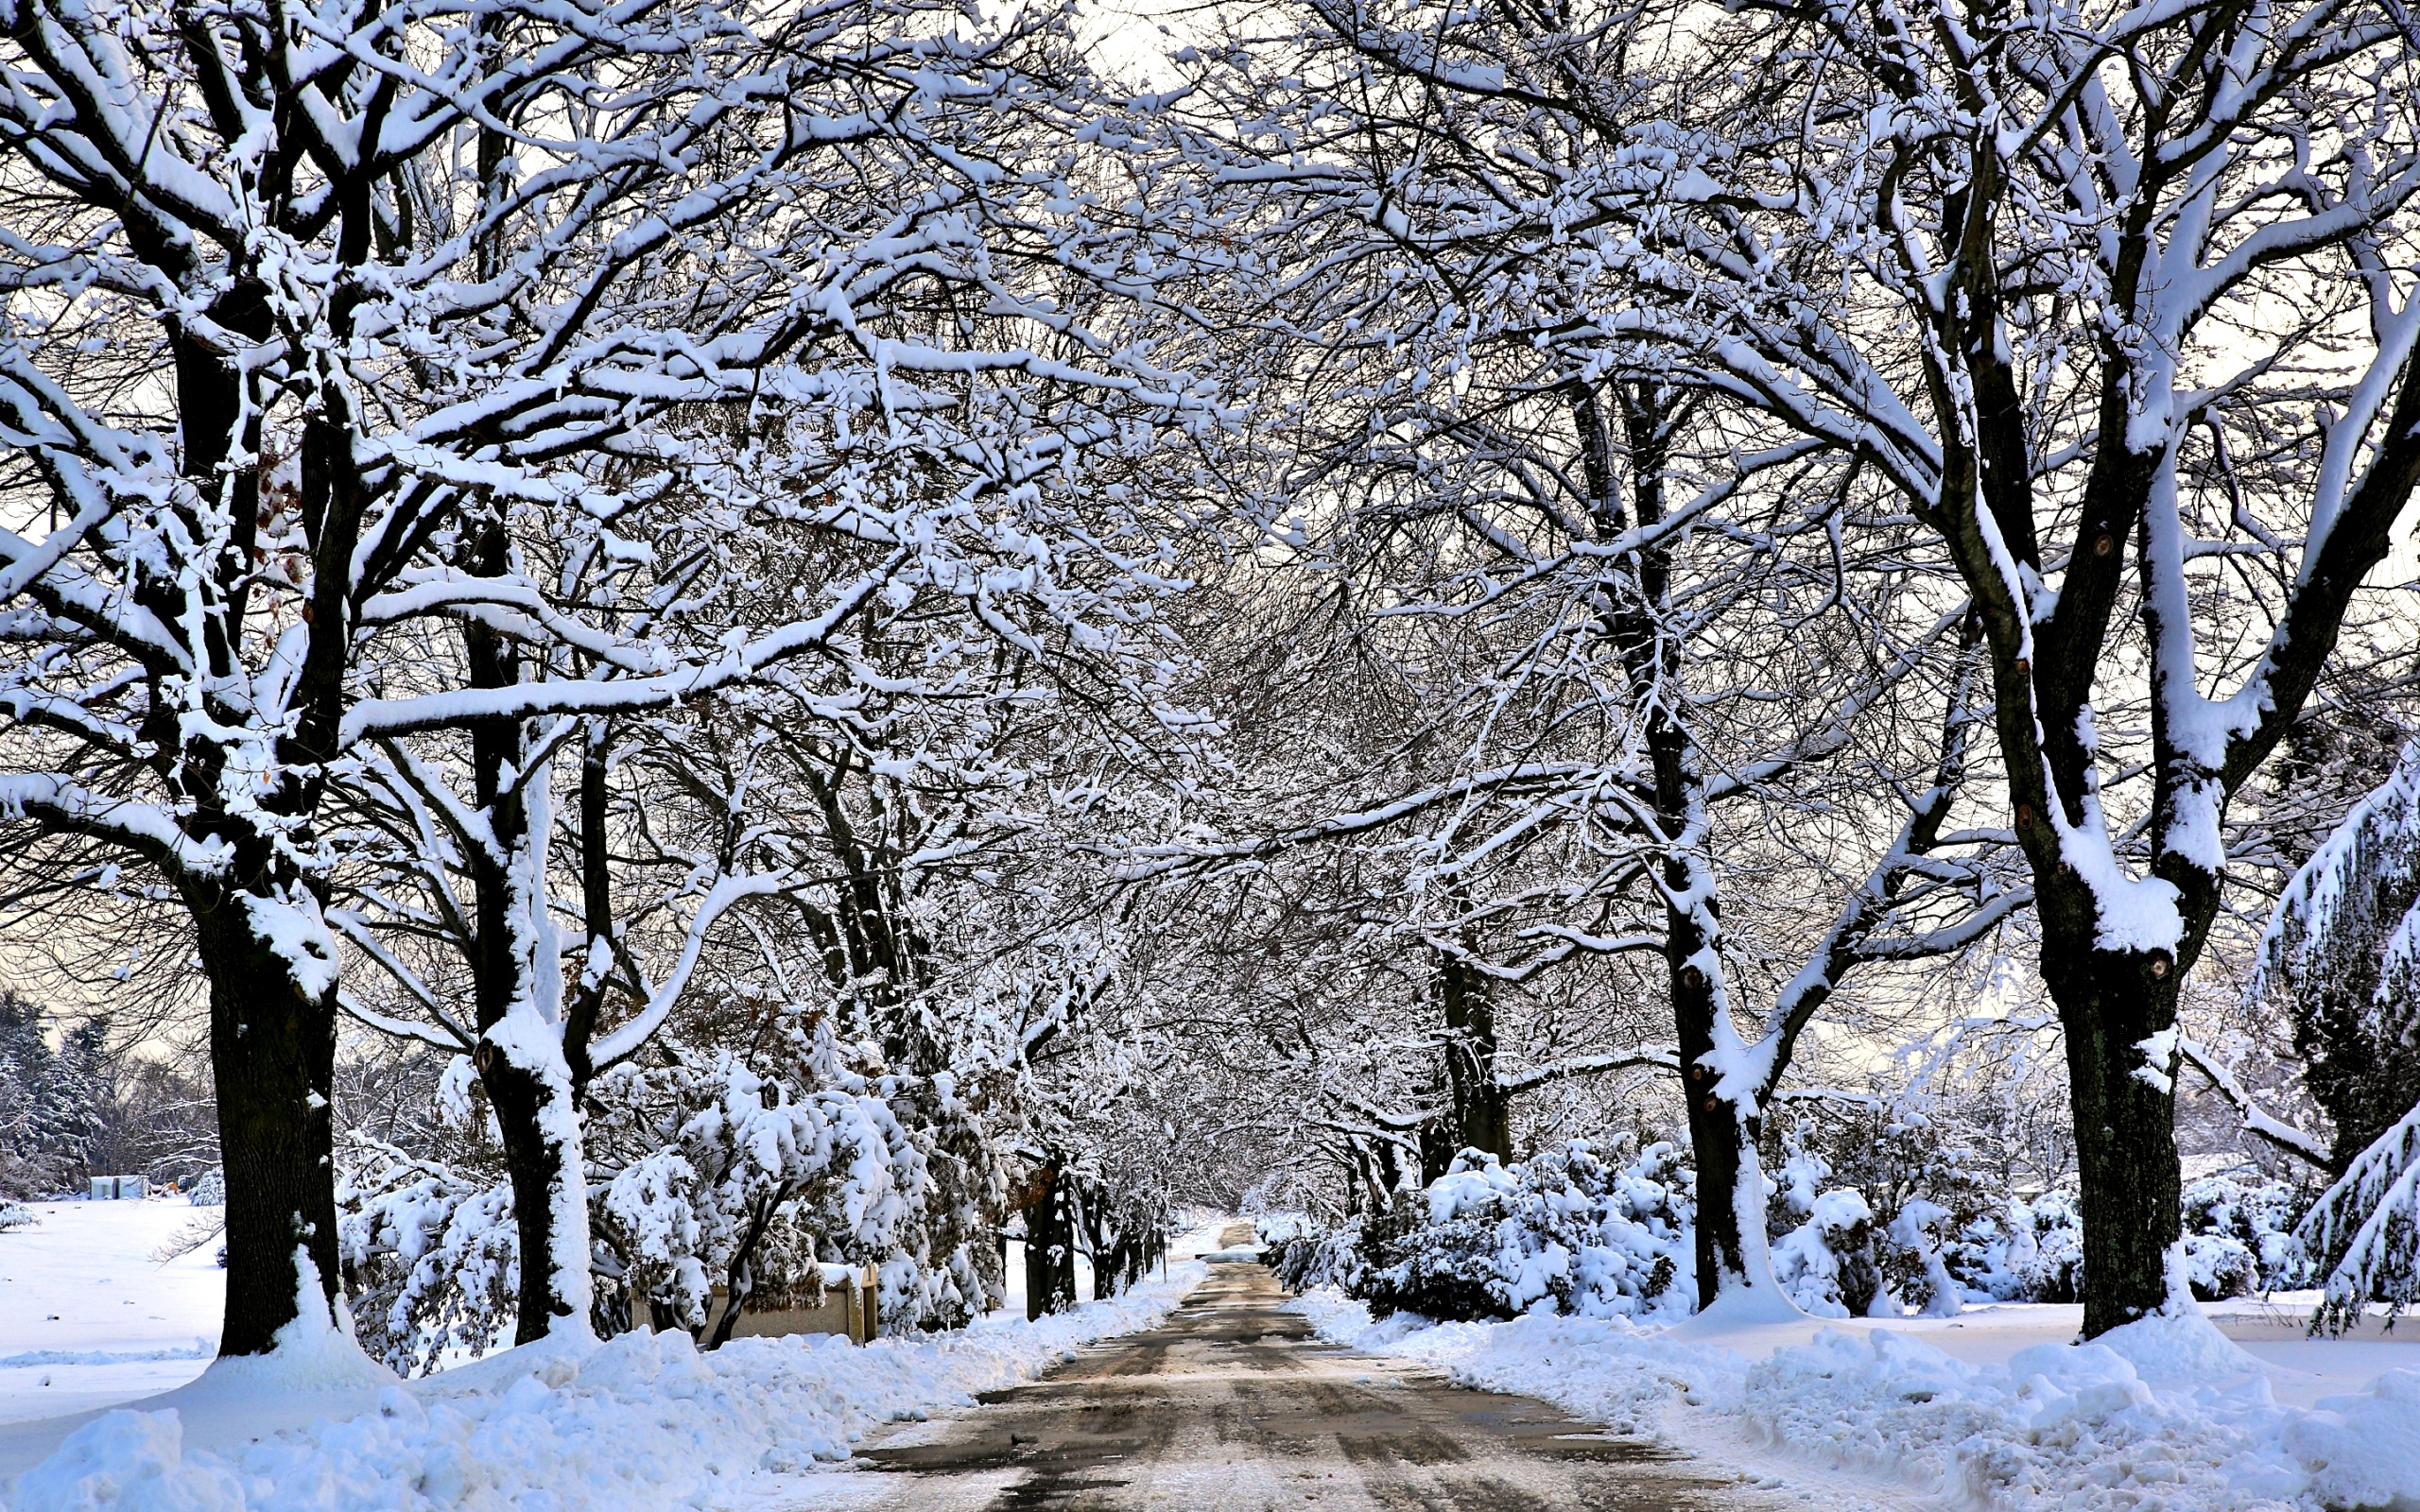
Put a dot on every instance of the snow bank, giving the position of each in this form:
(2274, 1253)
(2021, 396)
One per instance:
(2165, 1414)
(641, 1420)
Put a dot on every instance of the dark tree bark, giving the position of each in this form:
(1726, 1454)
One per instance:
(1050, 1248)
(1722, 1131)
(272, 1041)
(273, 1052)
(2125, 1128)
(2110, 1000)
(534, 1155)
(1479, 1113)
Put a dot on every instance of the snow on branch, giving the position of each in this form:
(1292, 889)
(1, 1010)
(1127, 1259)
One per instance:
(2256, 1120)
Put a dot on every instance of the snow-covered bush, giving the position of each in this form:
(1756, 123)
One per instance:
(1302, 1253)
(715, 1172)
(1562, 1230)
(1827, 1265)
(209, 1190)
(754, 1180)
(1914, 1268)
(2345, 946)
(14, 1215)
(2029, 1252)
(431, 1256)
(2241, 1239)
(1919, 1189)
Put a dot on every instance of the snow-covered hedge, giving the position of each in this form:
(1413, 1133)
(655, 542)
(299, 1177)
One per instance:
(2159, 1415)
(2032, 1251)
(1837, 1258)
(2238, 1238)
(1827, 1265)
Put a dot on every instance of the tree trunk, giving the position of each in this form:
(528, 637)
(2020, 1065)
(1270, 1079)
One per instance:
(519, 1055)
(272, 1042)
(1050, 1249)
(272, 1051)
(540, 1147)
(1731, 1245)
(1483, 1114)
(2125, 1126)
(1722, 1135)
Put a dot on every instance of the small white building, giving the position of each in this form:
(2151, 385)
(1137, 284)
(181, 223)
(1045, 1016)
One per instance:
(119, 1188)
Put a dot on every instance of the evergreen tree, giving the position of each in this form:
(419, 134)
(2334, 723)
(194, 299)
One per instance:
(48, 1102)
(2345, 948)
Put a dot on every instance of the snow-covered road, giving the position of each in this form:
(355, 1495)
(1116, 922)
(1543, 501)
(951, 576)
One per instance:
(1232, 1404)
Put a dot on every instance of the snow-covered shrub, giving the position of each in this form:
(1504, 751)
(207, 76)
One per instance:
(754, 1180)
(1562, 1230)
(713, 1171)
(1303, 1254)
(2027, 1252)
(14, 1215)
(2344, 946)
(1919, 1191)
(1893, 1155)
(2241, 1239)
(1914, 1265)
(209, 1190)
(431, 1256)
(2365, 1231)
(1827, 1265)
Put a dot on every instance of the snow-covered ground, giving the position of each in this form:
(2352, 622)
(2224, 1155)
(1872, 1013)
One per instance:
(1997, 1408)
(91, 1318)
(643, 1420)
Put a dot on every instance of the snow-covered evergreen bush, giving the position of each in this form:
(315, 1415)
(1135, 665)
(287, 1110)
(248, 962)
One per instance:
(2027, 1252)
(2241, 1239)
(1302, 1253)
(14, 1215)
(1562, 1230)
(2344, 945)
(1827, 1265)
(209, 1190)
(1837, 1257)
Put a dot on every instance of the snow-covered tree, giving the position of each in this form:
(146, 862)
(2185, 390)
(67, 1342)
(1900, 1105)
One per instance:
(1625, 661)
(2095, 331)
(48, 1102)
(2344, 949)
(428, 304)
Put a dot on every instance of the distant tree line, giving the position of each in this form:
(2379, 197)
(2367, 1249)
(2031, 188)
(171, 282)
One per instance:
(74, 1105)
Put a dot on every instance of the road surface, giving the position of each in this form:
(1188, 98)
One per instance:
(1234, 1406)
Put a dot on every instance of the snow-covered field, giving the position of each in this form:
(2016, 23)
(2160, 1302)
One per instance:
(643, 1420)
(91, 1318)
(1995, 1409)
